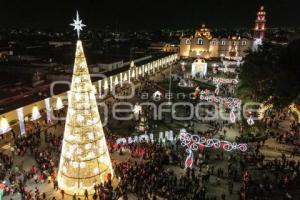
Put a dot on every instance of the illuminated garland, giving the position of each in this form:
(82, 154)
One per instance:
(231, 102)
(250, 121)
(195, 142)
(220, 81)
(217, 90)
(225, 69)
(238, 61)
(184, 83)
(232, 116)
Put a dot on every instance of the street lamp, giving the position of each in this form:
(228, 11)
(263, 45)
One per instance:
(137, 110)
(157, 95)
(4, 125)
(35, 113)
(183, 64)
(59, 104)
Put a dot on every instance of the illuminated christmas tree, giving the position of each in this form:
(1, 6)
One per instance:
(85, 159)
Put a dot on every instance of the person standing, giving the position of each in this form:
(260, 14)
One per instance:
(86, 194)
(1, 193)
(74, 197)
(62, 194)
(55, 185)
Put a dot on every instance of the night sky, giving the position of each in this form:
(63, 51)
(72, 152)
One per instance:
(146, 14)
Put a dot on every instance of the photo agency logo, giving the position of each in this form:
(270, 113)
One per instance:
(113, 100)
(202, 111)
(103, 91)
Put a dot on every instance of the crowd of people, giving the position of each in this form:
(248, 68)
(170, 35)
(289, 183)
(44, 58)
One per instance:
(154, 170)
(45, 153)
(290, 134)
(278, 177)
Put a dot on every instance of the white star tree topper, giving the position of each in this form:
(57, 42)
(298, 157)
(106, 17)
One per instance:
(77, 24)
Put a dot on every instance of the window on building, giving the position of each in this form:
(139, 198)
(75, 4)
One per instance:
(213, 42)
(188, 41)
(200, 41)
(223, 42)
(244, 43)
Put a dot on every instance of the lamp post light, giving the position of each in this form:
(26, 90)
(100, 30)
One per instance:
(4, 126)
(35, 113)
(59, 104)
(137, 111)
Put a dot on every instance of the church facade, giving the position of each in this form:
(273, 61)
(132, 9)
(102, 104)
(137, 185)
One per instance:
(202, 44)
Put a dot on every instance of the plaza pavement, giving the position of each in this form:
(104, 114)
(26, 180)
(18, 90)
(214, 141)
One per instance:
(271, 150)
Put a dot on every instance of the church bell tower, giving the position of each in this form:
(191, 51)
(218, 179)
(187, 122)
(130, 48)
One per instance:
(260, 24)
(260, 27)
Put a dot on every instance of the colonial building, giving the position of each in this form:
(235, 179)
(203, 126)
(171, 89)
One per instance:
(204, 45)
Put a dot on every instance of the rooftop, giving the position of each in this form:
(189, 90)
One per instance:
(23, 95)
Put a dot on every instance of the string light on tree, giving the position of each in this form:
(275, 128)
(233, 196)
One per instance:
(84, 160)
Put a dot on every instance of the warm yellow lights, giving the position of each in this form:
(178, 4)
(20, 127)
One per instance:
(105, 86)
(4, 125)
(94, 89)
(203, 31)
(133, 74)
(59, 104)
(295, 110)
(35, 113)
(137, 109)
(263, 109)
(125, 77)
(116, 81)
(85, 159)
